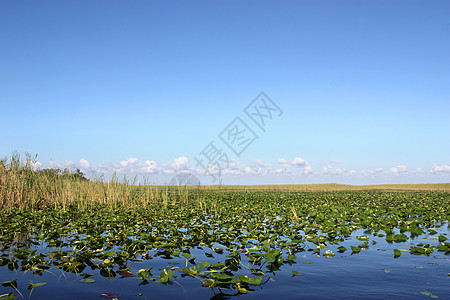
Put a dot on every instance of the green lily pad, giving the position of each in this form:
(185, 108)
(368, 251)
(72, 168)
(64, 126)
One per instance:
(11, 283)
(355, 249)
(203, 265)
(220, 276)
(428, 294)
(166, 274)
(36, 284)
(295, 273)
(272, 255)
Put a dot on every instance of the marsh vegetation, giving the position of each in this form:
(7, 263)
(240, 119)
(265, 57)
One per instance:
(62, 234)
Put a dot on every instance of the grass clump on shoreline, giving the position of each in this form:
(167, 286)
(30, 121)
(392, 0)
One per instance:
(23, 187)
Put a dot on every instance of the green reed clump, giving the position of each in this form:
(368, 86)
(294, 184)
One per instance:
(24, 186)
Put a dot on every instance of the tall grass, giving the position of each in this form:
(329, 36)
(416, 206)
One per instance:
(22, 187)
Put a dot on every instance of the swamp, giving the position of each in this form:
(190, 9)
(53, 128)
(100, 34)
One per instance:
(65, 237)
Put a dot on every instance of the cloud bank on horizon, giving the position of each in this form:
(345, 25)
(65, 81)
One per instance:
(297, 169)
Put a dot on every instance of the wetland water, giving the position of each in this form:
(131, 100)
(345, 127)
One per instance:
(267, 246)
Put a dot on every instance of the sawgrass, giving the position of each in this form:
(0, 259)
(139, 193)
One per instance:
(23, 187)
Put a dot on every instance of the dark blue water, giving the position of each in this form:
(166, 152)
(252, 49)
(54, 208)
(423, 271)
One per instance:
(373, 273)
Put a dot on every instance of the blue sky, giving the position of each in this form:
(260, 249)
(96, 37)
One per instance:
(142, 87)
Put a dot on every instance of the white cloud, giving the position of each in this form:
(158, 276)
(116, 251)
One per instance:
(169, 172)
(35, 165)
(149, 167)
(84, 164)
(256, 168)
(437, 168)
(180, 164)
(334, 161)
(128, 161)
(282, 161)
(331, 171)
(132, 166)
(399, 170)
(419, 170)
(372, 173)
(54, 165)
(234, 168)
(307, 170)
(299, 162)
(68, 164)
(261, 164)
(284, 171)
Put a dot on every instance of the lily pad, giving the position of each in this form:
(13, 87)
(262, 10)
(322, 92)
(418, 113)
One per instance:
(295, 273)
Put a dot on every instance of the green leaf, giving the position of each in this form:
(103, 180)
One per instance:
(243, 290)
(355, 249)
(254, 248)
(417, 250)
(191, 271)
(272, 255)
(87, 280)
(220, 276)
(341, 249)
(428, 294)
(166, 274)
(389, 238)
(397, 253)
(255, 281)
(295, 273)
(386, 270)
(12, 283)
(399, 238)
(207, 282)
(217, 265)
(203, 265)
(37, 284)
(363, 238)
(9, 296)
